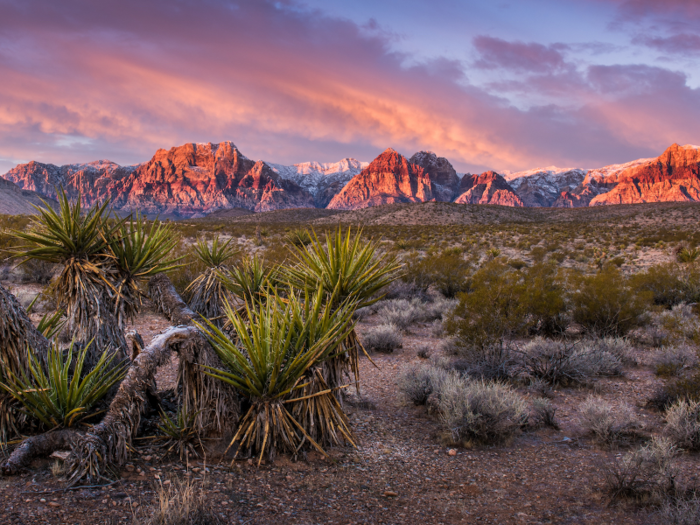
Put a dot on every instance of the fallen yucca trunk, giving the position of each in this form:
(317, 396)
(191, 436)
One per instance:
(16, 333)
(216, 405)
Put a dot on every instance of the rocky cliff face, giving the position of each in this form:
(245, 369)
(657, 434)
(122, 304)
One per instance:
(323, 180)
(389, 179)
(440, 172)
(16, 201)
(186, 181)
(541, 188)
(674, 176)
(487, 188)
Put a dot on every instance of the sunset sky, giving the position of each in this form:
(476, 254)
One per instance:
(505, 85)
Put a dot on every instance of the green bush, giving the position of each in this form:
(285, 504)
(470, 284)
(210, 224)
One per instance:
(447, 271)
(669, 284)
(606, 304)
(504, 303)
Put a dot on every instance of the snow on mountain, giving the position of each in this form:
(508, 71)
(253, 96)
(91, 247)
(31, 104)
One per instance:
(322, 179)
(608, 174)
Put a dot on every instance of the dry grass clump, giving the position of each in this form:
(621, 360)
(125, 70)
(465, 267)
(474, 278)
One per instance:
(543, 414)
(404, 313)
(673, 360)
(471, 411)
(418, 383)
(562, 363)
(179, 503)
(646, 474)
(609, 426)
(476, 411)
(683, 424)
(677, 511)
(382, 338)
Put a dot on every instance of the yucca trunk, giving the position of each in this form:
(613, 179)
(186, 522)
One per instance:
(89, 306)
(216, 403)
(16, 333)
(206, 295)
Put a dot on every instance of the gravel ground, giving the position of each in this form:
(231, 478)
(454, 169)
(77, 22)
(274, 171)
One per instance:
(401, 473)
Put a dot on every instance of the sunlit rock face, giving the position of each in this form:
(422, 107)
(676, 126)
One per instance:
(389, 179)
(487, 188)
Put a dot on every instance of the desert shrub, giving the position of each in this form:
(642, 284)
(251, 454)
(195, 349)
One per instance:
(619, 347)
(685, 388)
(447, 272)
(480, 411)
(382, 338)
(493, 310)
(497, 361)
(517, 264)
(605, 304)
(679, 511)
(680, 323)
(544, 300)
(401, 289)
(400, 312)
(609, 426)
(648, 472)
(683, 424)
(669, 284)
(424, 351)
(672, 360)
(543, 414)
(418, 383)
(562, 363)
(504, 303)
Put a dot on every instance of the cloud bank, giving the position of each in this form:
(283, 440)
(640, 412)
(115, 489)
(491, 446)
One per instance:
(83, 80)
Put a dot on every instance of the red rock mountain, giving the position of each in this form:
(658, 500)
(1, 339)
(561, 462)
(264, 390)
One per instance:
(389, 179)
(441, 173)
(487, 188)
(674, 176)
(187, 181)
(197, 179)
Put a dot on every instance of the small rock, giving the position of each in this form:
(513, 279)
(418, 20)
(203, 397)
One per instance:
(147, 458)
(390, 494)
(130, 467)
(166, 482)
(54, 504)
(142, 473)
(452, 452)
(61, 454)
(41, 500)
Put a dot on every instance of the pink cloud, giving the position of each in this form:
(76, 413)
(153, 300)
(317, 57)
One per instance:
(83, 80)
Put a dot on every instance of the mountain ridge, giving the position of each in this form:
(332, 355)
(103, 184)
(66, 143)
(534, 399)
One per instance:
(196, 179)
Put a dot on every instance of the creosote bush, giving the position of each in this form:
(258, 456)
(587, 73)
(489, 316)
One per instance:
(418, 382)
(672, 360)
(606, 304)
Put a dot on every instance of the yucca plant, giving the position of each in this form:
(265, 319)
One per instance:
(279, 343)
(347, 269)
(688, 255)
(137, 251)
(250, 281)
(77, 240)
(298, 237)
(61, 395)
(180, 433)
(207, 293)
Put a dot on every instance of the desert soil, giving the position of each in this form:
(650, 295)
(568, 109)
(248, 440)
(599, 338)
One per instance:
(400, 472)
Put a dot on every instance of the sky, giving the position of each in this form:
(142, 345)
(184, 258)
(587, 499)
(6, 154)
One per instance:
(504, 85)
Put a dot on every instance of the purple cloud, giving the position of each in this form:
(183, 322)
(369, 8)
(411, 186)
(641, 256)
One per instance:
(519, 56)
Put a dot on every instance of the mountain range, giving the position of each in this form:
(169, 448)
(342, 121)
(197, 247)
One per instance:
(195, 180)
